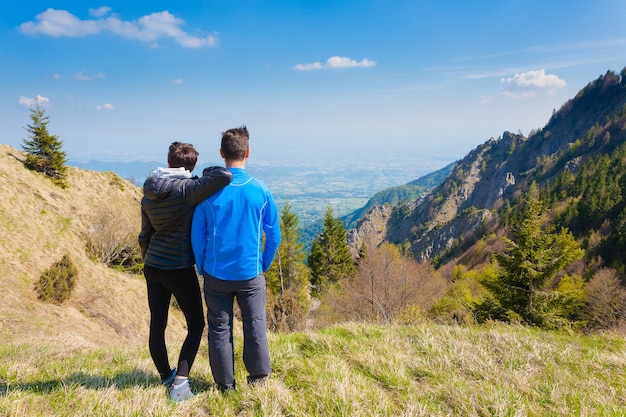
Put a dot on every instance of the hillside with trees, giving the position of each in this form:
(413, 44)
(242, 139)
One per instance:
(399, 194)
(85, 233)
(483, 227)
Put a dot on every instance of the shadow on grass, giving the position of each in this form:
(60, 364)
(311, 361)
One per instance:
(122, 381)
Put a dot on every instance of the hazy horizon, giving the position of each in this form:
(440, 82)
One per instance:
(312, 80)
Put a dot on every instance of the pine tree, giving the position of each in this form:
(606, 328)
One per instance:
(288, 277)
(43, 150)
(289, 269)
(330, 259)
(523, 290)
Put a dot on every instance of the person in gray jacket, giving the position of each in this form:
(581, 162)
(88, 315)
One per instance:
(170, 196)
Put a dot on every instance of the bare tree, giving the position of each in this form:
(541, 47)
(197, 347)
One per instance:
(387, 283)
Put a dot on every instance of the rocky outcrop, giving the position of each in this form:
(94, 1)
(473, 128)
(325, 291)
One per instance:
(371, 230)
(453, 235)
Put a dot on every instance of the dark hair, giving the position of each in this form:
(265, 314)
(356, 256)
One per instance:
(182, 155)
(235, 143)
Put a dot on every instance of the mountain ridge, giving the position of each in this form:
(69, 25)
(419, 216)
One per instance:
(466, 206)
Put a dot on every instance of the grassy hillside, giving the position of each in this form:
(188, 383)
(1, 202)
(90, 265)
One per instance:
(347, 370)
(39, 223)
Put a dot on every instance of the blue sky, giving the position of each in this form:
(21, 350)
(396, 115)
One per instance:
(312, 80)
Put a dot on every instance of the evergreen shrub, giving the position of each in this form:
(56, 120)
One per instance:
(56, 283)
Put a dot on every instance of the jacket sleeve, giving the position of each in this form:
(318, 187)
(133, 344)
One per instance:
(146, 233)
(199, 237)
(213, 179)
(271, 227)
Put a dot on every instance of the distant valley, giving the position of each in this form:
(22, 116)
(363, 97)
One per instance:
(309, 188)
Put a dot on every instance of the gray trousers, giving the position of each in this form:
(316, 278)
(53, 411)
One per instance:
(219, 296)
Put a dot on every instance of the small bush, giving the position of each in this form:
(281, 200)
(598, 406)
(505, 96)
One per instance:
(112, 240)
(410, 316)
(455, 307)
(56, 284)
(286, 312)
(606, 303)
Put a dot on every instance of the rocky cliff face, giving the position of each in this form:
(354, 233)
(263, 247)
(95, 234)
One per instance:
(371, 230)
(465, 205)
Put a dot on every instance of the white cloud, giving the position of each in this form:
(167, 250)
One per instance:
(105, 106)
(176, 81)
(100, 11)
(335, 62)
(535, 79)
(148, 28)
(31, 101)
(527, 84)
(60, 23)
(81, 76)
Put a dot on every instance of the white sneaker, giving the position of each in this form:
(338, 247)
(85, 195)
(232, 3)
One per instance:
(181, 392)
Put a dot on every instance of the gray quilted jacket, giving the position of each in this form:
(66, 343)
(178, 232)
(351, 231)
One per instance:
(166, 212)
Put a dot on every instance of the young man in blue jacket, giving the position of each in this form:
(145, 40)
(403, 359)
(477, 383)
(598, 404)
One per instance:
(227, 234)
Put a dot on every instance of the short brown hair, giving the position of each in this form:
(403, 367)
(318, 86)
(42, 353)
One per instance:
(235, 143)
(182, 155)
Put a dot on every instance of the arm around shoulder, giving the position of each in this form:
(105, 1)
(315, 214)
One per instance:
(212, 180)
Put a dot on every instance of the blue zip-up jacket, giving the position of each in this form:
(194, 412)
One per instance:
(227, 230)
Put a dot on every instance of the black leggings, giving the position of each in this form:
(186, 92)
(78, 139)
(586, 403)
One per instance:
(183, 284)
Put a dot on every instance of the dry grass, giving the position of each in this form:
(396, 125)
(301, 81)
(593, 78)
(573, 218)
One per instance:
(39, 223)
(345, 370)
